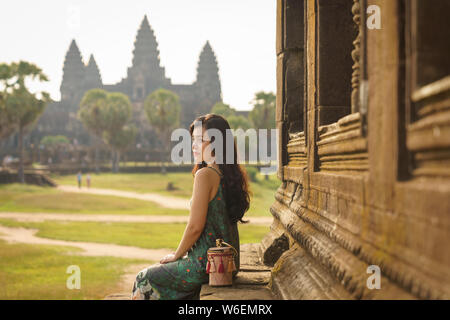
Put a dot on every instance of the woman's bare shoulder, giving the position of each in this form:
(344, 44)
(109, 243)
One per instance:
(203, 180)
(206, 175)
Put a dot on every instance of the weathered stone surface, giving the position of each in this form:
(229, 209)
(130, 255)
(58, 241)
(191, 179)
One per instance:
(257, 277)
(272, 247)
(236, 293)
(431, 41)
(294, 88)
(293, 24)
(118, 296)
(282, 139)
(36, 178)
(329, 114)
(309, 281)
(279, 113)
(336, 33)
(250, 259)
(251, 282)
(353, 198)
(279, 245)
(279, 26)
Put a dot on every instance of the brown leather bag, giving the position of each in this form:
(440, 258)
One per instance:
(220, 265)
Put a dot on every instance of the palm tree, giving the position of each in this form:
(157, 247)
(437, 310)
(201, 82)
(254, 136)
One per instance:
(119, 140)
(90, 113)
(6, 128)
(262, 115)
(223, 109)
(163, 112)
(20, 107)
(116, 114)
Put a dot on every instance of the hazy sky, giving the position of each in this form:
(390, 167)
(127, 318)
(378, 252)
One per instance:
(241, 32)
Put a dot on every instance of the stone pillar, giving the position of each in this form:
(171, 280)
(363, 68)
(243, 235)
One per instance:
(356, 11)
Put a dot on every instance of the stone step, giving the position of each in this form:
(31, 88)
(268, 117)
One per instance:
(236, 292)
(118, 296)
(251, 282)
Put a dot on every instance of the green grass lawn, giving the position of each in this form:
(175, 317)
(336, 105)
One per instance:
(263, 190)
(136, 182)
(28, 198)
(39, 272)
(144, 235)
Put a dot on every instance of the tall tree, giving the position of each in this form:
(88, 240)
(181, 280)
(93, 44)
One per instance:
(20, 107)
(6, 128)
(91, 110)
(116, 113)
(238, 122)
(55, 144)
(262, 115)
(223, 109)
(235, 121)
(163, 112)
(119, 141)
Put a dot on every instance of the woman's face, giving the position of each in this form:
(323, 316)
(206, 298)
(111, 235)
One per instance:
(200, 146)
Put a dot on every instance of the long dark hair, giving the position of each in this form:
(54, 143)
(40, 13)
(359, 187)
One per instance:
(236, 186)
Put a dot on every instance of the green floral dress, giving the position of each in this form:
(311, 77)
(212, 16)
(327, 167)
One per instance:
(182, 279)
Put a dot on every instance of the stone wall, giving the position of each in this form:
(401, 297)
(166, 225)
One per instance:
(365, 180)
(36, 178)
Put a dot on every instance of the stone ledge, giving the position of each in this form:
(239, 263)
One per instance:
(251, 282)
(118, 296)
(236, 292)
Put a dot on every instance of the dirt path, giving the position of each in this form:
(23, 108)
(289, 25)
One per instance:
(22, 235)
(125, 285)
(39, 217)
(127, 279)
(163, 201)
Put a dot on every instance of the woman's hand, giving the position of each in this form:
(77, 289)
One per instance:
(168, 258)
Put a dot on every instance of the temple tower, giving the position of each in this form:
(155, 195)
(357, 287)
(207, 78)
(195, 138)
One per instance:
(208, 81)
(92, 77)
(145, 75)
(73, 74)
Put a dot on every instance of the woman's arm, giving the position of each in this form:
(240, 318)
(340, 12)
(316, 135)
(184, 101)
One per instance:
(197, 216)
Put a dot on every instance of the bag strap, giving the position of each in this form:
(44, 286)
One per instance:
(220, 242)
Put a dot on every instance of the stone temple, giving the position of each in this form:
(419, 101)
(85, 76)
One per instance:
(143, 77)
(364, 143)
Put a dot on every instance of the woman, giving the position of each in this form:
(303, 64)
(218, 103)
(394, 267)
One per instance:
(219, 200)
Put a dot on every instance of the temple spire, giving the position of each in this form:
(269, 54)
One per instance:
(93, 78)
(207, 64)
(73, 72)
(145, 51)
(208, 80)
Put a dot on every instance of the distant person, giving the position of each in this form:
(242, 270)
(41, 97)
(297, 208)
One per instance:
(88, 180)
(79, 179)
